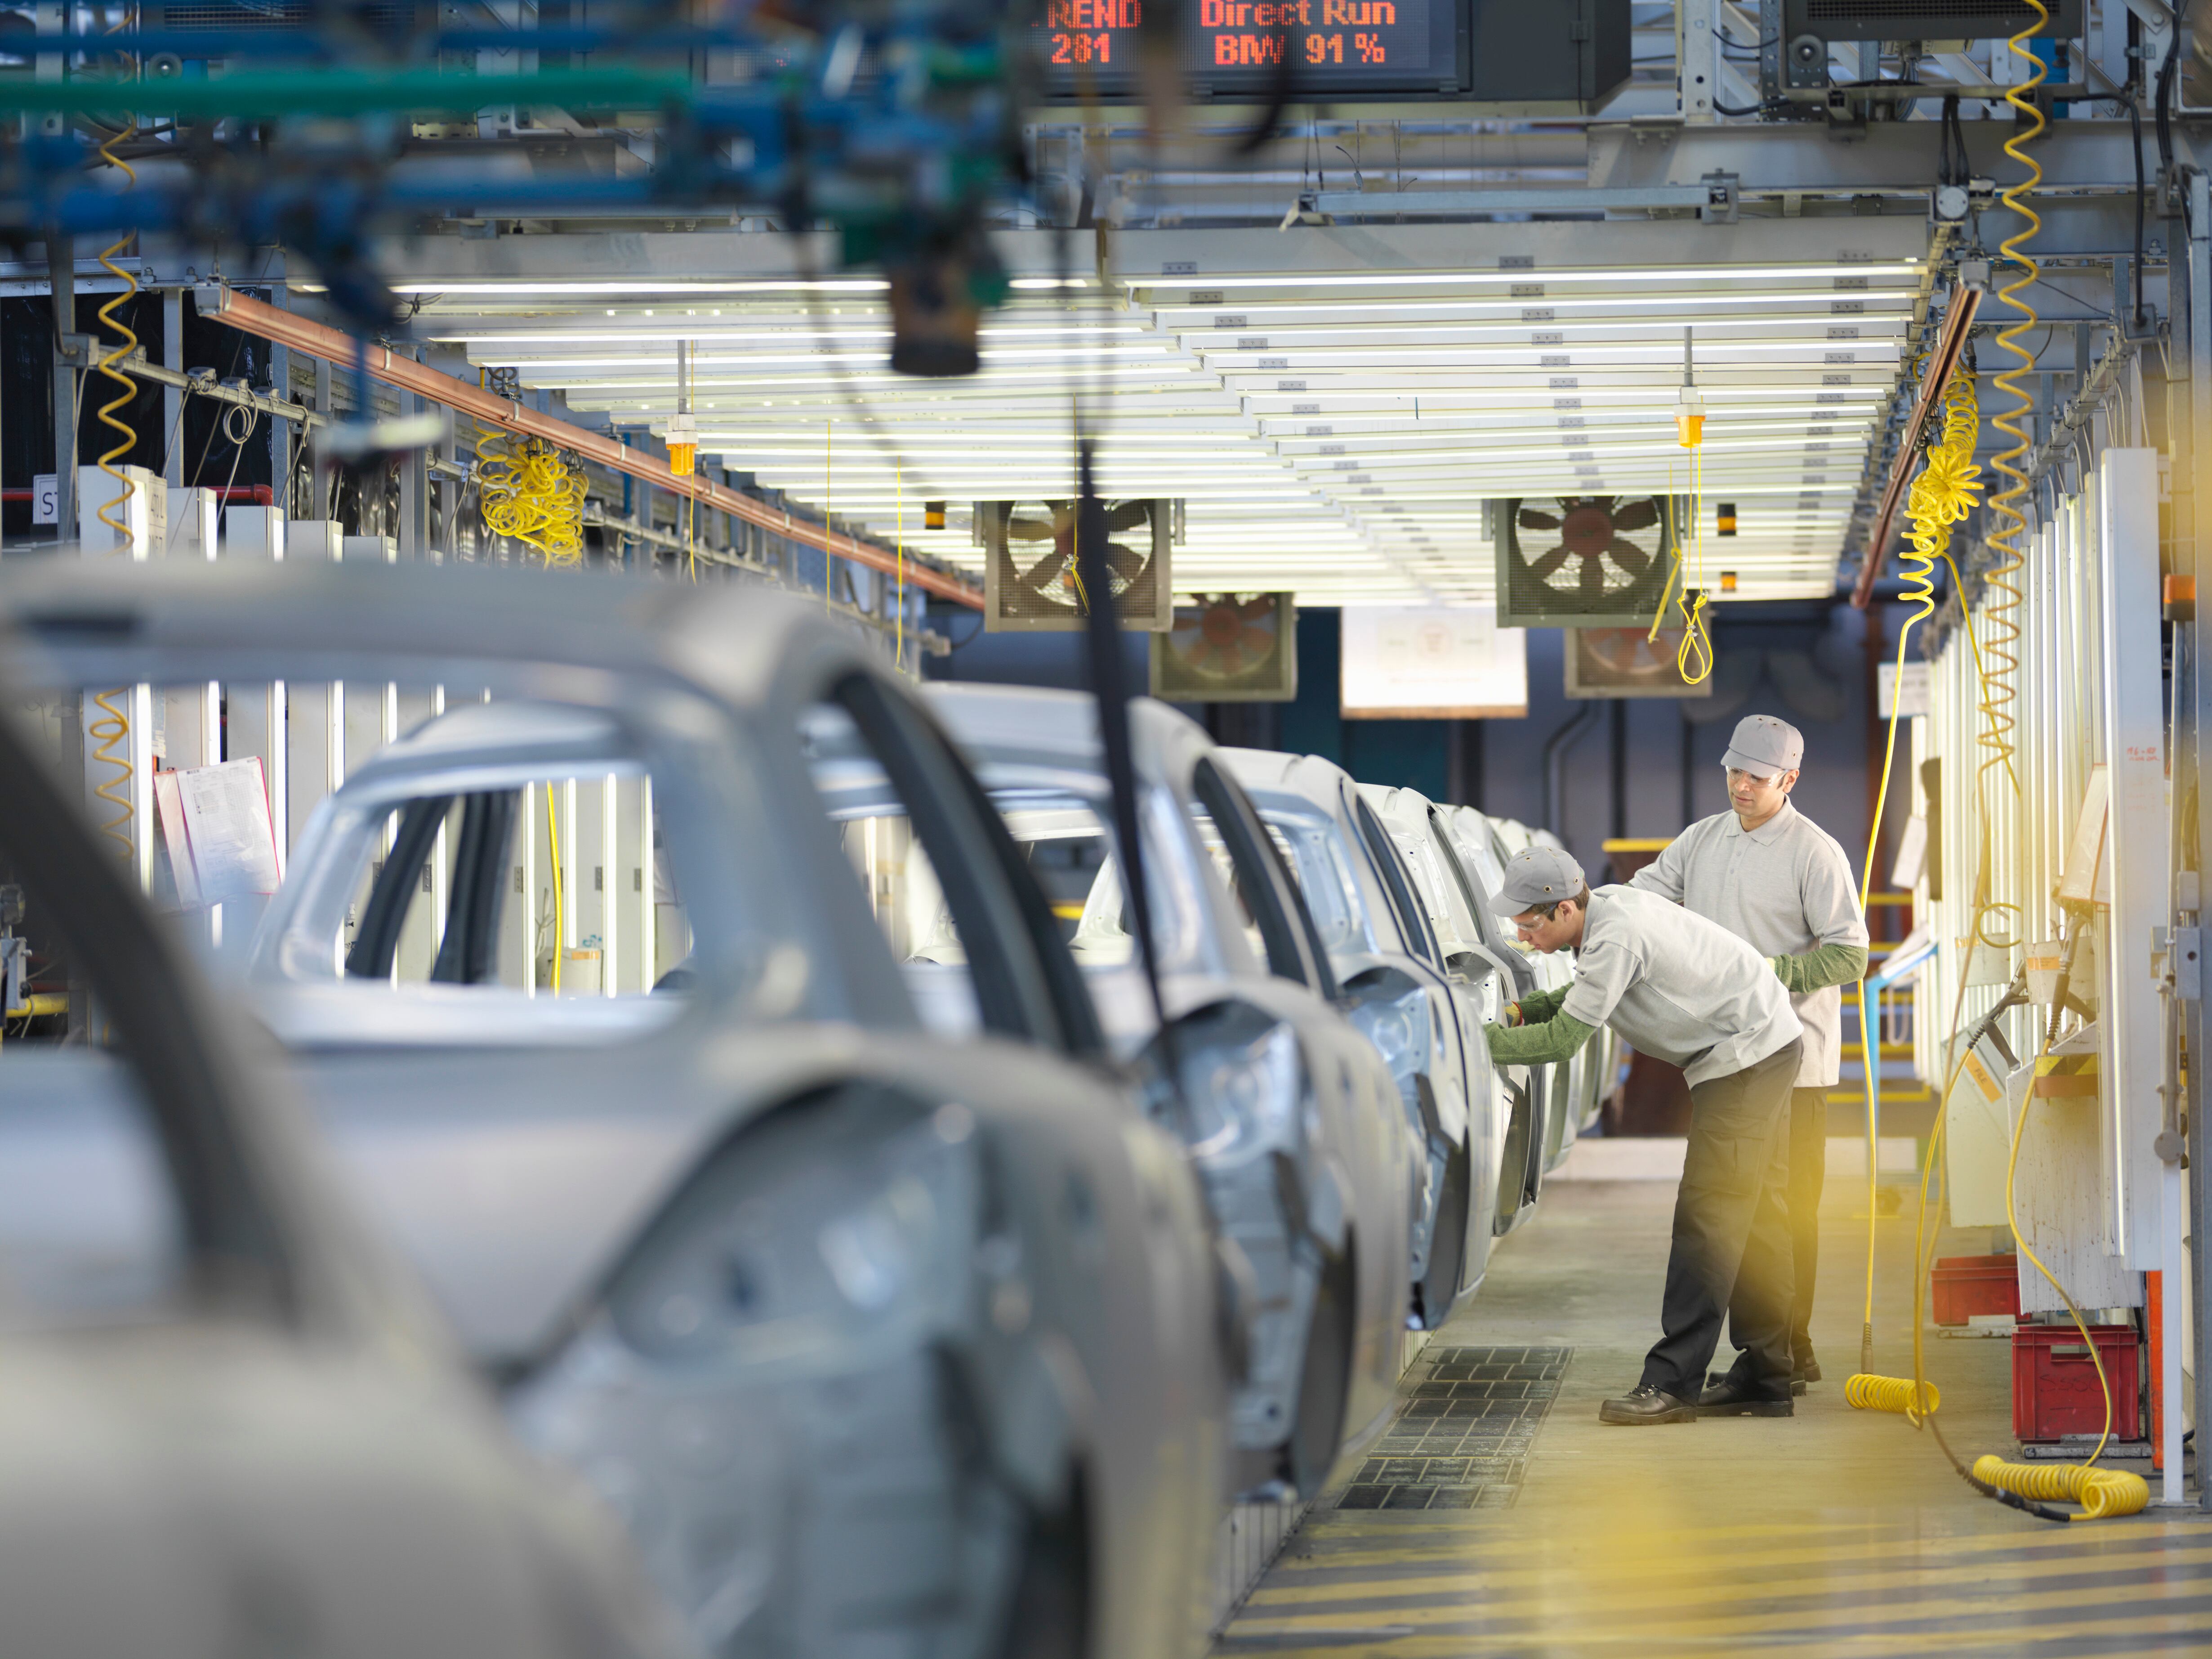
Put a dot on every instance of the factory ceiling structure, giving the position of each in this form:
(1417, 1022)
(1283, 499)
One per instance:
(1334, 406)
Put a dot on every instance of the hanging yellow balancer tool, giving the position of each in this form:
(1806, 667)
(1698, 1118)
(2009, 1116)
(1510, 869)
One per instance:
(1693, 659)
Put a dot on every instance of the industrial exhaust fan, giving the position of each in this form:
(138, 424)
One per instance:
(1229, 647)
(1628, 662)
(1583, 561)
(1029, 564)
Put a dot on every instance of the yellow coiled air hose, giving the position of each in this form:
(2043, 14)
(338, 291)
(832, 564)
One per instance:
(1942, 496)
(1995, 736)
(2101, 1492)
(113, 730)
(530, 491)
(1891, 1394)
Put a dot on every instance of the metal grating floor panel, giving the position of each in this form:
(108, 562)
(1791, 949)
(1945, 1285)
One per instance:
(1462, 1440)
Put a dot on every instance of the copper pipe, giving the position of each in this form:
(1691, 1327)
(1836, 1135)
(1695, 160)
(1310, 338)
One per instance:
(241, 310)
(1950, 345)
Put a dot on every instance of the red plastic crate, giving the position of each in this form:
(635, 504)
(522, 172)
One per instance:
(2054, 1384)
(1969, 1284)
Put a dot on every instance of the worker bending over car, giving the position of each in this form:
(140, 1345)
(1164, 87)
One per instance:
(1779, 882)
(1674, 985)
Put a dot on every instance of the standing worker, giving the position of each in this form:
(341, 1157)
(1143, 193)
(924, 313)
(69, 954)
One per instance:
(1674, 985)
(1779, 882)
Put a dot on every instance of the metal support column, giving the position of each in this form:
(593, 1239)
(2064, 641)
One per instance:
(173, 396)
(319, 488)
(2191, 442)
(71, 350)
(414, 492)
(281, 433)
(1697, 58)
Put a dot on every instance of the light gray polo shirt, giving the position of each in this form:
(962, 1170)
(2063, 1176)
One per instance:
(1677, 986)
(1784, 888)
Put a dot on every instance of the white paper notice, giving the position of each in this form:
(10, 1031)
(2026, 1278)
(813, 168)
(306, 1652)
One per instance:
(1909, 695)
(226, 814)
(1435, 662)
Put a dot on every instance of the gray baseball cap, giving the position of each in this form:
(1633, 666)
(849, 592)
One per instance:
(1535, 877)
(1764, 746)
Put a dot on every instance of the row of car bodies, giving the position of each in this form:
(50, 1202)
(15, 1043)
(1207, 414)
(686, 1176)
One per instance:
(898, 1221)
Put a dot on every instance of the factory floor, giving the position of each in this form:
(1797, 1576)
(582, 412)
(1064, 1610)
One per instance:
(1830, 1532)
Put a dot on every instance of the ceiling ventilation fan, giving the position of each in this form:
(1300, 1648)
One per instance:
(1583, 561)
(1229, 647)
(1628, 662)
(1029, 567)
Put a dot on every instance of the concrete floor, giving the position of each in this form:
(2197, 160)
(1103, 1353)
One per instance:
(1831, 1532)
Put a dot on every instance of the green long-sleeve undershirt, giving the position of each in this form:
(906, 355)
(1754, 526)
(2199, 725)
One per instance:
(1549, 1037)
(1823, 966)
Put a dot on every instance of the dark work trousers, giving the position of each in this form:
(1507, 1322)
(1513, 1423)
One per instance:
(1731, 1246)
(1808, 1173)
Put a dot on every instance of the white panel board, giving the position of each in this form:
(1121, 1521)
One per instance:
(2135, 847)
(1432, 662)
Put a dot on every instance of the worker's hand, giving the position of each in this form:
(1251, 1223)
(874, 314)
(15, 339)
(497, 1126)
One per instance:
(1511, 1016)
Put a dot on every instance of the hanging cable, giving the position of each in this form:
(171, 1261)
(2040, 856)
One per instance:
(683, 451)
(560, 912)
(1693, 658)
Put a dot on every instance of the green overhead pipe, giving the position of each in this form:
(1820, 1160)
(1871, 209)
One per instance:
(339, 92)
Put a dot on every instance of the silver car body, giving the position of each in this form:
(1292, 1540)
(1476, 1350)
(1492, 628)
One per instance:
(1313, 1174)
(1484, 844)
(794, 1285)
(230, 1421)
(1420, 990)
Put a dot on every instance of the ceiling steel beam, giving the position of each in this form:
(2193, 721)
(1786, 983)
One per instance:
(253, 316)
(1880, 159)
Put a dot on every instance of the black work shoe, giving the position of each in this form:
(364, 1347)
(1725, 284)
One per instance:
(1732, 1398)
(1720, 1380)
(1809, 1370)
(1645, 1404)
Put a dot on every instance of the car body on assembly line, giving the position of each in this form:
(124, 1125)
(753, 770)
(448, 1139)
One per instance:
(1418, 985)
(230, 1421)
(1290, 1113)
(881, 1345)
(1483, 844)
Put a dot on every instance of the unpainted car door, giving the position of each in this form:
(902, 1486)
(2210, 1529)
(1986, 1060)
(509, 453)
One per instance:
(1378, 1155)
(229, 1423)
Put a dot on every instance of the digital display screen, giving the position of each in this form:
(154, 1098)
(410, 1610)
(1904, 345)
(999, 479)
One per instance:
(1237, 47)
(1361, 35)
